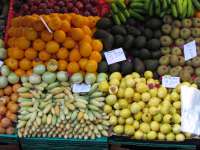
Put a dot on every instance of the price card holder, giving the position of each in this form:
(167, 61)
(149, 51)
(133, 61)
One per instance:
(170, 82)
(115, 56)
(190, 50)
(81, 88)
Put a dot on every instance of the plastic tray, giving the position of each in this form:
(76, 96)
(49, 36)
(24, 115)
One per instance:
(63, 144)
(187, 144)
(8, 139)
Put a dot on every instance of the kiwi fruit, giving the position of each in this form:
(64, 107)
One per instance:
(176, 51)
(174, 60)
(166, 29)
(177, 23)
(185, 33)
(162, 70)
(166, 40)
(197, 71)
(175, 33)
(174, 72)
(189, 62)
(196, 22)
(187, 23)
(196, 62)
(195, 32)
(185, 76)
(168, 19)
(179, 42)
(189, 69)
(181, 60)
(179, 68)
(165, 50)
(164, 60)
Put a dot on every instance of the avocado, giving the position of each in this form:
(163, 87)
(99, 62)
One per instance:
(103, 67)
(148, 33)
(133, 30)
(107, 38)
(151, 64)
(138, 65)
(131, 21)
(156, 54)
(145, 54)
(153, 44)
(114, 67)
(118, 29)
(135, 53)
(157, 34)
(140, 42)
(128, 41)
(119, 40)
(126, 67)
(104, 23)
(154, 23)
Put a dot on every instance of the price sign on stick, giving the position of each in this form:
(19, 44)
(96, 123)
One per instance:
(115, 56)
(190, 50)
(81, 88)
(1, 63)
(45, 24)
(170, 82)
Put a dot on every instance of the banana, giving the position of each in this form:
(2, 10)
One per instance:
(184, 8)
(179, 6)
(164, 4)
(151, 12)
(174, 10)
(137, 5)
(189, 8)
(147, 4)
(196, 3)
(158, 7)
(136, 15)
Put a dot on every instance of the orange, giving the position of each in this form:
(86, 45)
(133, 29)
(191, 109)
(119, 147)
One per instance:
(87, 30)
(97, 45)
(86, 38)
(12, 63)
(44, 56)
(93, 21)
(11, 42)
(91, 66)
(38, 25)
(96, 56)
(29, 72)
(39, 45)
(15, 53)
(85, 49)
(22, 43)
(77, 34)
(78, 21)
(69, 43)
(74, 55)
(62, 65)
(52, 47)
(20, 72)
(65, 26)
(82, 63)
(62, 53)
(54, 23)
(11, 31)
(30, 53)
(25, 64)
(30, 34)
(73, 67)
(59, 36)
(46, 36)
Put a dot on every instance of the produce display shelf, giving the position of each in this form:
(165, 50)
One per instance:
(63, 144)
(187, 144)
(8, 139)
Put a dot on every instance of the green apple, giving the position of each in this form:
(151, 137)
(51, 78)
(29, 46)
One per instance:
(161, 136)
(155, 126)
(141, 87)
(111, 99)
(129, 130)
(138, 116)
(167, 118)
(136, 97)
(125, 113)
(165, 128)
(177, 104)
(142, 104)
(170, 136)
(135, 75)
(174, 96)
(136, 124)
(176, 128)
(135, 108)
(118, 129)
(113, 120)
(153, 92)
(158, 117)
(162, 92)
(176, 118)
(151, 135)
(146, 117)
(129, 120)
(146, 96)
(148, 74)
(153, 110)
(180, 137)
(115, 75)
(138, 135)
(154, 101)
(144, 127)
(121, 120)
(129, 93)
(117, 106)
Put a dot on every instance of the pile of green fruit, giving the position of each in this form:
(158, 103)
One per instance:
(49, 108)
(139, 40)
(141, 108)
(3, 52)
(176, 33)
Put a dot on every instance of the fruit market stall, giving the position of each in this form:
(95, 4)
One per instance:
(88, 73)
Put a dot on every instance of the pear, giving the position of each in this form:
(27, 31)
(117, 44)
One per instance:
(152, 135)
(170, 136)
(165, 128)
(161, 136)
(176, 128)
(129, 130)
(146, 117)
(144, 127)
(135, 108)
(180, 137)
(119, 129)
(158, 117)
(155, 126)
(167, 118)
(138, 116)
(138, 135)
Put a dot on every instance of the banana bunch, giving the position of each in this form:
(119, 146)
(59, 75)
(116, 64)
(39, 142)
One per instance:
(53, 110)
(196, 4)
(177, 8)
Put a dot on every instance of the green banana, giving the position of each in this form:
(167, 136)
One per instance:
(157, 6)
(189, 8)
(196, 3)
(147, 4)
(136, 15)
(164, 4)
(137, 5)
(184, 8)
(174, 10)
(121, 5)
(114, 8)
(179, 6)
(150, 11)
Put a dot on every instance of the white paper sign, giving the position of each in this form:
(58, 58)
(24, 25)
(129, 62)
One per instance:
(45, 24)
(115, 56)
(81, 88)
(190, 50)
(170, 82)
(190, 110)
(1, 63)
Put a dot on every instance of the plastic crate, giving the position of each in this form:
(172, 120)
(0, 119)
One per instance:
(187, 144)
(8, 139)
(63, 144)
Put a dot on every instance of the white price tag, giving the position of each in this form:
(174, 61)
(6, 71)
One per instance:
(190, 111)
(45, 24)
(1, 63)
(190, 50)
(170, 82)
(115, 56)
(81, 88)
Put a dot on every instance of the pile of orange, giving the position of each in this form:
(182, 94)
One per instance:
(71, 43)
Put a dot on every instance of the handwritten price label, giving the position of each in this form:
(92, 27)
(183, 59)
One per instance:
(81, 88)
(190, 50)
(170, 82)
(115, 56)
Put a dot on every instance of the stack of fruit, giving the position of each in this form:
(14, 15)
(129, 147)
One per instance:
(3, 52)
(139, 40)
(48, 108)
(141, 108)
(70, 43)
(3, 15)
(176, 33)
